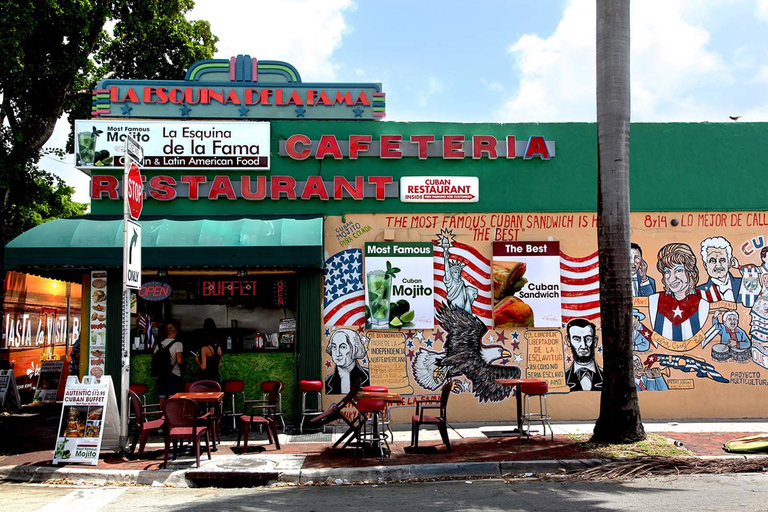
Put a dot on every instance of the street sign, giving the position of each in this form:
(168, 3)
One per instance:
(134, 190)
(132, 255)
(134, 150)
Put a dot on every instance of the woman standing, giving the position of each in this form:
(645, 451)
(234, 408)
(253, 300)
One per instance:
(209, 358)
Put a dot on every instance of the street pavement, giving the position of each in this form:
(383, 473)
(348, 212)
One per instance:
(478, 450)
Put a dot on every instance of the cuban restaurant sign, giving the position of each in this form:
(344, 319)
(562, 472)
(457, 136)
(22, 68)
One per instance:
(200, 146)
(238, 88)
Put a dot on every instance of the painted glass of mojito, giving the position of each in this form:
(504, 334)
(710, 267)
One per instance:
(379, 291)
(86, 145)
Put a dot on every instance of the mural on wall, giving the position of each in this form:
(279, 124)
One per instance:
(698, 313)
(347, 351)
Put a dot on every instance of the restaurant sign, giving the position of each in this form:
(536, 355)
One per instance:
(238, 88)
(439, 189)
(199, 146)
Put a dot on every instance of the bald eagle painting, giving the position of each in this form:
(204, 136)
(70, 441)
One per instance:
(464, 354)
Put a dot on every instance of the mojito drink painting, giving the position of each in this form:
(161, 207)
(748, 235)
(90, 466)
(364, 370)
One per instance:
(86, 152)
(399, 285)
(379, 285)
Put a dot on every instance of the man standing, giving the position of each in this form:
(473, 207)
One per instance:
(642, 285)
(584, 374)
(169, 383)
(717, 255)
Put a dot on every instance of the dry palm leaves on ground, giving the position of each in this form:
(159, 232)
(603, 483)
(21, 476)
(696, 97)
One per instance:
(666, 466)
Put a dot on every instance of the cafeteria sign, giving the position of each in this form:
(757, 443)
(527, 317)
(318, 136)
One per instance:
(199, 146)
(399, 285)
(89, 410)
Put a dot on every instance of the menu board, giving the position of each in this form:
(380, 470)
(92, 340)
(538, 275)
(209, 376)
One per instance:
(89, 410)
(98, 323)
(9, 393)
(48, 381)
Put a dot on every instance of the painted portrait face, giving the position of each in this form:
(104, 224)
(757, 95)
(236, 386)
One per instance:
(731, 321)
(456, 271)
(717, 263)
(761, 306)
(582, 341)
(676, 279)
(341, 351)
(637, 259)
(638, 366)
(635, 322)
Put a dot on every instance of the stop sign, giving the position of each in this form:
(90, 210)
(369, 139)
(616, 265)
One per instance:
(134, 191)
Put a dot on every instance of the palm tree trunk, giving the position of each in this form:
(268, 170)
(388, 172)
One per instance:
(619, 420)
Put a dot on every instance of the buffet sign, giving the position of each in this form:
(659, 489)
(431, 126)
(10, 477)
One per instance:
(88, 420)
(98, 323)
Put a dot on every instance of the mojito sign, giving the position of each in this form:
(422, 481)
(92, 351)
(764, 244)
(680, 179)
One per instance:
(399, 285)
(199, 146)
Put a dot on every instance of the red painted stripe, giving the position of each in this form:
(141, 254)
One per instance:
(583, 306)
(580, 280)
(255, 70)
(579, 260)
(592, 316)
(579, 270)
(579, 293)
(232, 61)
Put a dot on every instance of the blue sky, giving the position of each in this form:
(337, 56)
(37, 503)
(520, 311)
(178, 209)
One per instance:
(504, 61)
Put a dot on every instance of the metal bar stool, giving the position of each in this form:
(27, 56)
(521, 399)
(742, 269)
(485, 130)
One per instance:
(386, 418)
(540, 390)
(232, 388)
(372, 409)
(265, 387)
(310, 386)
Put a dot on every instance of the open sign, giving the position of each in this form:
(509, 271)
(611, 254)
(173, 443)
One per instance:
(155, 291)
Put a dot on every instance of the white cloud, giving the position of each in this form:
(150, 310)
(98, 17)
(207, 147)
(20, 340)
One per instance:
(435, 87)
(304, 33)
(761, 10)
(670, 59)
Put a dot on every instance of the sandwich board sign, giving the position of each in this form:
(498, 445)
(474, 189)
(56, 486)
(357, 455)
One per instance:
(9, 393)
(88, 421)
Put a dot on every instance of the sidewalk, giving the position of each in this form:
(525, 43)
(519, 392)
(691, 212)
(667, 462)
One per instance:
(478, 450)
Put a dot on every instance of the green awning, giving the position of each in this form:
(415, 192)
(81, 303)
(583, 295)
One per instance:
(202, 243)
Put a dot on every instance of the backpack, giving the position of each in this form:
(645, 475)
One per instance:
(162, 366)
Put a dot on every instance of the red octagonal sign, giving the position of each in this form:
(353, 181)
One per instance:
(134, 191)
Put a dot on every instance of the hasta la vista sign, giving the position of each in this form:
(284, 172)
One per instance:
(239, 88)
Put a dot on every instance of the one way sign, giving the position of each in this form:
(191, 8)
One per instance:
(132, 255)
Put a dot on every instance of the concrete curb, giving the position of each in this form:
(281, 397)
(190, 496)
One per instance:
(193, 476)
(39, 474)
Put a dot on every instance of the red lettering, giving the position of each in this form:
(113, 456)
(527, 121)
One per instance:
(484, 144)
(328, 146)
(265, 94)
(358, 143)
(163, 188)
(453, 147)
(130, 96)
(511, 149)
(293, 152)
(344, 98)
(380, 182)
(148, 92)
(295, 98)
(341, 185)
(222, 186)
(536, 146)
(390, 146)
(176, 96)
(261, 188)
(214, 95)
(251, 96)
(315, 187)
(232, 98)
(283, 185)
(324, 99)
(194, 185)
(362, 99)
(104, 184)
(423, 141)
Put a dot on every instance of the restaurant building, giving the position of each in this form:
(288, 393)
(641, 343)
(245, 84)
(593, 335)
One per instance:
(329, 244)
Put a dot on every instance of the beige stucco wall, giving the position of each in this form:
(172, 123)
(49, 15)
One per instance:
(689, 396)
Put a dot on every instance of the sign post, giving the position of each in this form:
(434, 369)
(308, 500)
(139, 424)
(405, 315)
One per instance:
(133, 202)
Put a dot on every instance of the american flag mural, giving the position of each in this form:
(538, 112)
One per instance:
(477, 273)
(580, 287)
(344, 293)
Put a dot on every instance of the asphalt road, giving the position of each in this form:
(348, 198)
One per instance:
(699, 492)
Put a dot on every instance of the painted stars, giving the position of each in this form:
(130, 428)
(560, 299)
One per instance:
(518, 358)
(358, 111)
(300, 112)
(438, 335)
(420, 335)
(185, 110)
(500, 337)
(327, 333)
(127, 110)
(243, 111)
(411, 355)
(328, 365)
(409, 335)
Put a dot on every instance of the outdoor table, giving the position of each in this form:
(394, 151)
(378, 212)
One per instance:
(205, 400)
(354, 430)
(518, 385)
